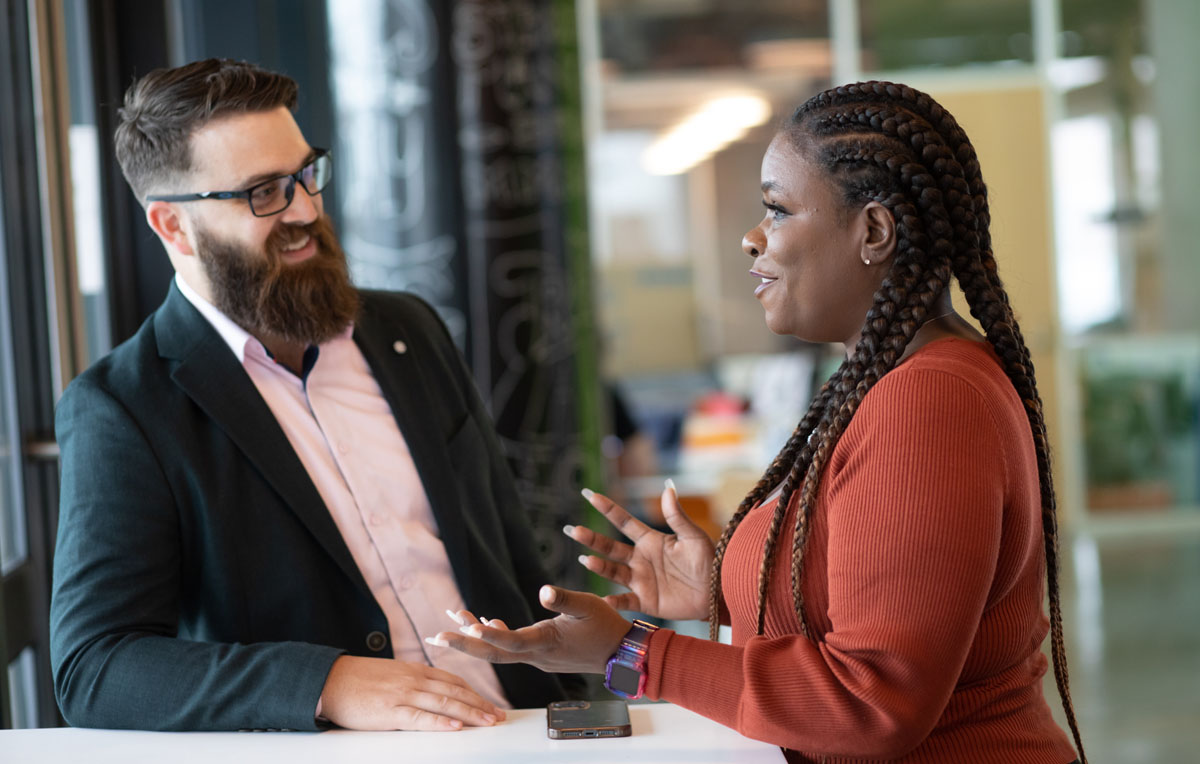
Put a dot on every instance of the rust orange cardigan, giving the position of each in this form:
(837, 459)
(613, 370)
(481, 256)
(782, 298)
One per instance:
(923, 582)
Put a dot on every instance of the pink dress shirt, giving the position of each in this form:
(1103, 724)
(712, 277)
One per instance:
(342, 428)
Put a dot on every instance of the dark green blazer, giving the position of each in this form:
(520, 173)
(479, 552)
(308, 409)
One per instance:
(200, 582)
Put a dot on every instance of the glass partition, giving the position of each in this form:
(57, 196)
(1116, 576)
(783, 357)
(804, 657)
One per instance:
(685, 98)
(13, 540)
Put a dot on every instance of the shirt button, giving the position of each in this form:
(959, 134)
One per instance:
(343, 448)
(376, 641)
(406, 582)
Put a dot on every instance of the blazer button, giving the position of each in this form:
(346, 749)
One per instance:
(376, 641)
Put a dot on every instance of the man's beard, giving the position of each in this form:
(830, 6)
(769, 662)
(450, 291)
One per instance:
(308, 302)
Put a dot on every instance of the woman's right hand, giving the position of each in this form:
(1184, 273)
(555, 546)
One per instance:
(668, 575)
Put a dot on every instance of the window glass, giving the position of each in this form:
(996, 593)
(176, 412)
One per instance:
(935, 34)
(13, 544)
(88, 224)
(22, 690)
(1126, 266)
(685, 96)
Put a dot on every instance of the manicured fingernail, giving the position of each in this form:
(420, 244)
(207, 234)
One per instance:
(484, 621)
(437, 641)
(456, 618)
(489, 718)
(568, 529)
(471, 631)
(547, 594)
(671, 486)
(588, 493)
(583, 560)
(455, 724)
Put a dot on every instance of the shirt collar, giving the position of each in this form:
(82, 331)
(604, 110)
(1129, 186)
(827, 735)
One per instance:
(235, 336)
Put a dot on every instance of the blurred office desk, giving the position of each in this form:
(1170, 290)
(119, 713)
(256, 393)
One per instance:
(661, 733)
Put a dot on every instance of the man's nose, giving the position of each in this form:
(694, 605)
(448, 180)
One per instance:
(304, 208)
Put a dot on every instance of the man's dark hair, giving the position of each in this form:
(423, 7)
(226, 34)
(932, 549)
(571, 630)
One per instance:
(164, 108)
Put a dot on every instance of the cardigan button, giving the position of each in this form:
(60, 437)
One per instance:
(376, 641)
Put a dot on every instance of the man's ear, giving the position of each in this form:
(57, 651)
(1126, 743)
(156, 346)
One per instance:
(165, 220)
(879, 242)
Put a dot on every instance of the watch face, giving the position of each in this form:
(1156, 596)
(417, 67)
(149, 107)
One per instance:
(624, 679)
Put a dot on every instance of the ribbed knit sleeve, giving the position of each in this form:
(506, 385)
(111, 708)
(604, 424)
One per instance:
(904, 559)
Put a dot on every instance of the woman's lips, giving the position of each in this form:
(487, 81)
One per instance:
(766, 282)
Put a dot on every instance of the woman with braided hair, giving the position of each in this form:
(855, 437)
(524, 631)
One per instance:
(884, 579)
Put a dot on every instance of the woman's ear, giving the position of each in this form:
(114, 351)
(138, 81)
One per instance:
(164, 219)
(879, 241)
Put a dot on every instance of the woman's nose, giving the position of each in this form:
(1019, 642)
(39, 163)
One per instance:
(752, 243)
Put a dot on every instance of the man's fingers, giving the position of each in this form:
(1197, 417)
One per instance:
(461, 693)
(599, 543)
(630, 526)
(438, 702)
(621, 574)
(441, 675)
(417, 719)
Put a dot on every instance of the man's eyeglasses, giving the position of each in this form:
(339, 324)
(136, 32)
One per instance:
(271, 196)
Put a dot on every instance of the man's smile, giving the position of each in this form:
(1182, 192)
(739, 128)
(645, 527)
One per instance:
(299, 250)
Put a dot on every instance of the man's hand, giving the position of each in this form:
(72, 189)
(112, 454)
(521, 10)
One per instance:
(384, 694)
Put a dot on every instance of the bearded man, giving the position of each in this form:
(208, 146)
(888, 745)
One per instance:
(281, 485)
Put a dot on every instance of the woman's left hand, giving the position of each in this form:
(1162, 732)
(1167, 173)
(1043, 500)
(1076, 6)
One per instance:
(581, 639)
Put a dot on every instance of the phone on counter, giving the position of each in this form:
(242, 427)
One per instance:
(579, 719)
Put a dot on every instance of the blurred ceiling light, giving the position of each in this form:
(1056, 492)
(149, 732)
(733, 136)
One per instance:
(715, 125)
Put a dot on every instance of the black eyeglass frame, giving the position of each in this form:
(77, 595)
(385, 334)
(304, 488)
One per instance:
(289, 190)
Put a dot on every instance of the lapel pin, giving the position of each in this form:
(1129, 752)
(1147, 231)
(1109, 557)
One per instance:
(400, 347)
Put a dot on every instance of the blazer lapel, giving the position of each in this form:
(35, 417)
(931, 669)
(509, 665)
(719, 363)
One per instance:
(209, 373)
(414, 408)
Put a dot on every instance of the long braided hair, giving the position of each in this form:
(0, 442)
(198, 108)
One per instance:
(894, 145)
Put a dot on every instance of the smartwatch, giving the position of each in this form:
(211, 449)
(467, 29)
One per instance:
(625, 675)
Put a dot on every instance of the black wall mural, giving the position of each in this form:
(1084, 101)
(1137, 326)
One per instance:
(454, 153)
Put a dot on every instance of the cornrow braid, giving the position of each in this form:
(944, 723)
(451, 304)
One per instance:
(792, 452)
(897, 146)
(1018, 361)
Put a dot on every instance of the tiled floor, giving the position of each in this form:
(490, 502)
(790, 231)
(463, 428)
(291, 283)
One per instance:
(1132, 620)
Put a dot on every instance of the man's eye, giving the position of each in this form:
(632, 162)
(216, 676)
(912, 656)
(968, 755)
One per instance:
(265, 192)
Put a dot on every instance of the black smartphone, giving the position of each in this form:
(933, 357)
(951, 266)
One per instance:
(577, 719)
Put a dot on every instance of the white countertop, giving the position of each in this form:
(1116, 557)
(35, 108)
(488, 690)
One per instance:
(661, 733)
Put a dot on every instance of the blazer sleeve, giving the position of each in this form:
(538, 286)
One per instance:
(117, 659)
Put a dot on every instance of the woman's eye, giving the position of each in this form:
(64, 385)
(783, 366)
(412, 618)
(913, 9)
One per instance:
(775, 211)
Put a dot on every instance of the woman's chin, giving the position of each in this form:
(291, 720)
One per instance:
(778, 325)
